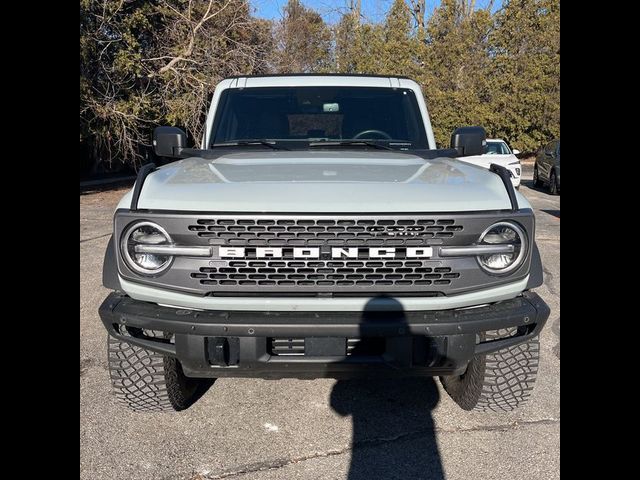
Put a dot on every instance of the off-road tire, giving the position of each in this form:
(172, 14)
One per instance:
(553, 184)
(536, 177)
(147, 381)
(497, 382)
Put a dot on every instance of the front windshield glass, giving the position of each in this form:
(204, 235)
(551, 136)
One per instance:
(296, 116)
(497, 148)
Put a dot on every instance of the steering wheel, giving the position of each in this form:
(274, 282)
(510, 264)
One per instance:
(362, 134)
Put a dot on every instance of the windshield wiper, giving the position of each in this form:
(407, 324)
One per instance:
(333, 143)
(244, 143)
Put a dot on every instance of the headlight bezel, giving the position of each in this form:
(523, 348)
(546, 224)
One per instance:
(130, 262)
(519, 259)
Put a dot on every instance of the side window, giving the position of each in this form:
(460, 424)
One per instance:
(491, 148)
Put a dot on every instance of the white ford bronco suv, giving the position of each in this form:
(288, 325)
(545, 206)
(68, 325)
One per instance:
(319, 232)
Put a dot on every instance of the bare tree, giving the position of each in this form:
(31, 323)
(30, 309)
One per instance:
(202, 44)
(418, 8)
(149, 62)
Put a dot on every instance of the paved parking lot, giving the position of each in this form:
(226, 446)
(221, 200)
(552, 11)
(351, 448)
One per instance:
(320, 429)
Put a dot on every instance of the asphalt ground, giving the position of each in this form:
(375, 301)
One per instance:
(314, 429)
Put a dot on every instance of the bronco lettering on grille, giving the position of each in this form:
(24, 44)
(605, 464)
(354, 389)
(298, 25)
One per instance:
(315, 252)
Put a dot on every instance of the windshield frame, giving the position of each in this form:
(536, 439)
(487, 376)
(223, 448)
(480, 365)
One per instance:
(422, 141)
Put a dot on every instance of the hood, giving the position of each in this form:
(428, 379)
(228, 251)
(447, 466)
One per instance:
(487, 160)
(321, 182)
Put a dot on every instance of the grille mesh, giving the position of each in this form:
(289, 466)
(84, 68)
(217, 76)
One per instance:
(311, 273)
(308, 232)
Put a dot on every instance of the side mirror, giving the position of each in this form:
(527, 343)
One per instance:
(168, 141)
(516, 152)
(469, 141)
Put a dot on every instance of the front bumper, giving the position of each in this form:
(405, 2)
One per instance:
(240, 343)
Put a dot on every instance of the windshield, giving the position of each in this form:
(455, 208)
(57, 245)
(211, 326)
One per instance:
(296, 116)
(497, 148)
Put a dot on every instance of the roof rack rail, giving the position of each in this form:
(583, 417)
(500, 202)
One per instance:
(505, 176)
(142, 175)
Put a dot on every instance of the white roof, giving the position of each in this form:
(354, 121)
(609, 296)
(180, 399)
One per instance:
(321, 80)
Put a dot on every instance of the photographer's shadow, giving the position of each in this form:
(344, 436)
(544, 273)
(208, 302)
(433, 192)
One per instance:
(393, 430)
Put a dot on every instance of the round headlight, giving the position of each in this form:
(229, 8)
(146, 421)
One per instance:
(503, 233)
(145, 233)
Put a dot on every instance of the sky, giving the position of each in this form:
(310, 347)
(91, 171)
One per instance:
(373, 10)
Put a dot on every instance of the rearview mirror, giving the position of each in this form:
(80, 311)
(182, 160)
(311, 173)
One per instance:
(168, 141)
(469, 141)
(516, 152)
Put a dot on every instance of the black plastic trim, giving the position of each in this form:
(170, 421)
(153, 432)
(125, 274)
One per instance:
(110, 277)
(505, 176)
(142, 175)
(430, 154)
(455, 327)
(535, 270)
(376, 320)
(221, 150)
(423, 153)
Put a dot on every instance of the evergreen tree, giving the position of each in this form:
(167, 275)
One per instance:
(398, 53)
(455, 68)
(526, 72)
(303, 42)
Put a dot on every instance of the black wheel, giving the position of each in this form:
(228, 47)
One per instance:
(553, 184)
(146, 381)
(536, 178)
(499, 381)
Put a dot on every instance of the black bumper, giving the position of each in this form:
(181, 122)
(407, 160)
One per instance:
(396, 343)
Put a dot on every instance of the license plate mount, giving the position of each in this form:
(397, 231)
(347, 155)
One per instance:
(325, 346)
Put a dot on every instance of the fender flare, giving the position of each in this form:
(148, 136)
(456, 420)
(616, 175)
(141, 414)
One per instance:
(535, 271)
(110, 277)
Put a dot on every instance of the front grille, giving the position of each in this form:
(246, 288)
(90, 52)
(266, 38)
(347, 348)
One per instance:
(310, 232)
(355, 346)
(326, 273)
(348, 254)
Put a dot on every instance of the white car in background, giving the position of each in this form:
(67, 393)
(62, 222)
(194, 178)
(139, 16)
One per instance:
(497, 151)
